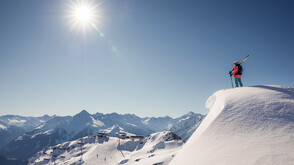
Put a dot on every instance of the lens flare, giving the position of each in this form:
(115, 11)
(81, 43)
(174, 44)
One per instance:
(84, 15)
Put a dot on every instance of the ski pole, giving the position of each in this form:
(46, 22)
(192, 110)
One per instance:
(232, 82)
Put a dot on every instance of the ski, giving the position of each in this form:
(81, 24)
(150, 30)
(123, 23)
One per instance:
(241, 61)
(245, 59)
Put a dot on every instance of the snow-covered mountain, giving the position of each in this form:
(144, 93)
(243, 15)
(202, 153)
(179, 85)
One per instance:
(12, 126)
(186, 125)
(248, 125)
(159, 123)
(158, 148)
(61, 129)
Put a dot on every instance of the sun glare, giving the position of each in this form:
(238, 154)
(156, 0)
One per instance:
(84, 15)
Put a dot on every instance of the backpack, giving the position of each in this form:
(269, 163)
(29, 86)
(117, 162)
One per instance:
(240, 69)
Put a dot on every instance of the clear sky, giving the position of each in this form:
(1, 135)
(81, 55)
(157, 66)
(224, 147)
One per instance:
(156, 58)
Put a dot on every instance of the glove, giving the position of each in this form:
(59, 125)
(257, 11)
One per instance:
(230, 73)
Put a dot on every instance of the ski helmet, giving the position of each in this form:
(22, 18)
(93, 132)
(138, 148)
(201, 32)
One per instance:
(236, 62)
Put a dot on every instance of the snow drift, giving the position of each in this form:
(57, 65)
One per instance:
(248, 125)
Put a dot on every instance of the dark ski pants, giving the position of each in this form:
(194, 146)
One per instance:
(238, 82)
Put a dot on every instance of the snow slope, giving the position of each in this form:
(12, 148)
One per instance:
(157, 148)
(248, 125)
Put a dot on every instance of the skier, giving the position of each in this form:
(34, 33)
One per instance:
(237, 74)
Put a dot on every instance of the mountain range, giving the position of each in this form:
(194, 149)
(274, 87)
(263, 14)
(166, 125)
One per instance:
(251, 125)
(12, 126)
(38, 132)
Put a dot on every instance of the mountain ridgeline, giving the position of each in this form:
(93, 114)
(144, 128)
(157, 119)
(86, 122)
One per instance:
(50, 131)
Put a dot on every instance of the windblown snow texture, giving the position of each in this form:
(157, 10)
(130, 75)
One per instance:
(249, 125)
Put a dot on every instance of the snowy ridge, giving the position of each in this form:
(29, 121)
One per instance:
(156, 148)
(24, 122)
(12, 126)
(60, 129)
(248, 125)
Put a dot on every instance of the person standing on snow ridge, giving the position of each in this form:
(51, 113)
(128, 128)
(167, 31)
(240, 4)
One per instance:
(237, 74)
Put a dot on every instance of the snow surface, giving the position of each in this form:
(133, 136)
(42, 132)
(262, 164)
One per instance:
(157, 148)
(248, 125)
(2, 127)
(16, 122)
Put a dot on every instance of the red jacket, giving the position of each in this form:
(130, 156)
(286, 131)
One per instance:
(235, 71)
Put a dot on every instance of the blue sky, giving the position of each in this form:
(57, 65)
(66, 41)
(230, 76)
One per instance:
(156, 58)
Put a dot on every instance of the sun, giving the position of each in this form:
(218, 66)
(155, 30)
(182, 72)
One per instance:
(84, 15)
